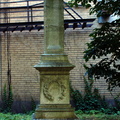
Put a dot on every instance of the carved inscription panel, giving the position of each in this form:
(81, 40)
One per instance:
(55, 89)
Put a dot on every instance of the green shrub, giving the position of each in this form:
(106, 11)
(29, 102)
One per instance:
(33, 104)
(96, 115)
(91, 100)
(7, 99)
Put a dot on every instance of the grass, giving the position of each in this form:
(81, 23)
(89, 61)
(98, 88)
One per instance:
(81, 116)
(9, 116)
(97, 116)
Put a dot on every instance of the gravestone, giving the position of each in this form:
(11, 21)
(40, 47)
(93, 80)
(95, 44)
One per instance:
(54, 67)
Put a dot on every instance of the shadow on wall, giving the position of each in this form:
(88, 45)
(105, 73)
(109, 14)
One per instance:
(24, 106)
(0, 65)
(21, 106)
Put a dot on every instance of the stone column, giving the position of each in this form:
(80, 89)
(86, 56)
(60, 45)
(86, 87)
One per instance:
(53, 27)
(54, 67)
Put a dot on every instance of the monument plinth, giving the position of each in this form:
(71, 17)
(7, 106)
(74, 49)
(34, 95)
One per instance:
(54, 67)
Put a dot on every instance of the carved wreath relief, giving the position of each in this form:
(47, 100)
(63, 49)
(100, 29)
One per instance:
(54, 89)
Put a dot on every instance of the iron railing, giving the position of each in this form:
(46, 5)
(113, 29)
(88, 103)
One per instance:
(29, 15)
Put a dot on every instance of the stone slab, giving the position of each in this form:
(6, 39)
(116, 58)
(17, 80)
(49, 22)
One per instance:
(53, 119)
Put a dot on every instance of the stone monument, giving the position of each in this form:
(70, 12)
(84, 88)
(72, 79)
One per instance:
(54, 67)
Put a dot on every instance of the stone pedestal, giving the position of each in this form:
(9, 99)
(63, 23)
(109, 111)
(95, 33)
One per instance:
(54, 88)
(54, 67)
(55, 112)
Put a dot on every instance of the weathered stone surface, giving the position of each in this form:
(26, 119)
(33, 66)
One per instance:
(54, 26)
(54, 89)
(54, 93)
(33, 118)
(55, 113)
(54, 61)
(54, 67)
(58, 119)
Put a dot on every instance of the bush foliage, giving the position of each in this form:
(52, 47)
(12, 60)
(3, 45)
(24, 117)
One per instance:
(105, 43)
(91, 101)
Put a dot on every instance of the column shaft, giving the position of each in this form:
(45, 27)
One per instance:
(54, 27)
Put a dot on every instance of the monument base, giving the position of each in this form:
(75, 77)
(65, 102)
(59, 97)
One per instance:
(54, 112)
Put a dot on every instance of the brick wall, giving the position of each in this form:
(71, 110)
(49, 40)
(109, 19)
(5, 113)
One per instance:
(75, 44)
(24, 49)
